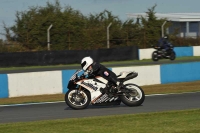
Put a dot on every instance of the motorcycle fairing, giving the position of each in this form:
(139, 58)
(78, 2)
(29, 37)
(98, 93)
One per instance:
(94, 87)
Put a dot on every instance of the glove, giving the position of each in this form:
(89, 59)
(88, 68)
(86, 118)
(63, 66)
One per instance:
(108, 86)
(85, 73)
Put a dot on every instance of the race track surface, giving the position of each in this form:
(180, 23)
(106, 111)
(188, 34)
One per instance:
(52, 111)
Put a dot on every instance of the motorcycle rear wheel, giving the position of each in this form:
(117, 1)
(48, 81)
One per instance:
(172, 55)
(135, 96)
(76, 99)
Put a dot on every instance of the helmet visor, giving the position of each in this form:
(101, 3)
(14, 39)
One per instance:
(83, 64)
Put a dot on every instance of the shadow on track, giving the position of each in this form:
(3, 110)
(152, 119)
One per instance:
(103, 106)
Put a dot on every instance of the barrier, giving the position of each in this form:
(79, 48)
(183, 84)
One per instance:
(180, 72)
(180, 52)
(34, 83)
(55, 82)
(196, 50)
(183, 51)
(66, 75)
(3, 86)
(145, 53)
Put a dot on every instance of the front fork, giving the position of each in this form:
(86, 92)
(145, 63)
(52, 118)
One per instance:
(79, 90)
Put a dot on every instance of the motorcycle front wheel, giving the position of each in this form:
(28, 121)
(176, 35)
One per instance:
(134, 95)
(76, 99)
(155, 56)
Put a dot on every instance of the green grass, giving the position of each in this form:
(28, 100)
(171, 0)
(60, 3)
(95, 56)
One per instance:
(105, 63)
(35, 67)
(164, 122)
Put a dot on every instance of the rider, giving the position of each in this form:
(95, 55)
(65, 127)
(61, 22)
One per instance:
(93, 68)
(163, 43)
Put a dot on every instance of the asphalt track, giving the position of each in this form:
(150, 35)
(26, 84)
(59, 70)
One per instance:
(52, 111)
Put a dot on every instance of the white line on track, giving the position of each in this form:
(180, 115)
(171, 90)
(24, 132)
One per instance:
(12, 105)
(24, 104)
(172, 93)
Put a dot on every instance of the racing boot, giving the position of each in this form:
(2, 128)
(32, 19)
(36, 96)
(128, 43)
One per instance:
(118, 87)
(115, 89)
(104, 90)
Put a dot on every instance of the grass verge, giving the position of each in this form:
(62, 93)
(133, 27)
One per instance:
(186, 121)
(150, 89)
(105, 63)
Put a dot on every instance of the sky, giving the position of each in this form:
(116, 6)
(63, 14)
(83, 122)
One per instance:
(8, 8)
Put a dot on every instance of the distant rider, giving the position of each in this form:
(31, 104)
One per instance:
(164, 44)
(96, 69)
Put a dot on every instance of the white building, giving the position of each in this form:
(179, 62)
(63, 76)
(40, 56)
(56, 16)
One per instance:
(188, 23)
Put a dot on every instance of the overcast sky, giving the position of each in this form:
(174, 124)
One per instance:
(119, 8)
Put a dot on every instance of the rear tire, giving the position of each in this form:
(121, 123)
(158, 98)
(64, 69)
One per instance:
(76, 99)
(135, 97)
(172, 55)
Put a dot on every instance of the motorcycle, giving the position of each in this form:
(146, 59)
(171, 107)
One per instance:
(83, 91)
(163, 54)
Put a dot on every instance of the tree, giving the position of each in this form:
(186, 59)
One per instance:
(151, 27)
(96, 29)
(72, 30)
(131, 32)
(30, 27)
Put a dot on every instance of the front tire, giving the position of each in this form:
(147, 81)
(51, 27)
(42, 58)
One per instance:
(76, 99)
(155, 56)
(134, 97)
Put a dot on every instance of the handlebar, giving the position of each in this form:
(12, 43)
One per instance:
(156, 47)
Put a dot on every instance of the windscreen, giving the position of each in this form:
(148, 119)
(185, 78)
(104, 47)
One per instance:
(74, 75)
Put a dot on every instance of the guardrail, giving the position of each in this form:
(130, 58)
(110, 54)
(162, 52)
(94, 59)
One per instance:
(55, 82)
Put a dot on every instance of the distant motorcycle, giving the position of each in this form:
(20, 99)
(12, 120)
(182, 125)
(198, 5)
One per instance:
(84, 91)
(163, 54)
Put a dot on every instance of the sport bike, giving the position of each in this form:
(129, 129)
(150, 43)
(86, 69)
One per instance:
(83, 91)
(162, 54)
